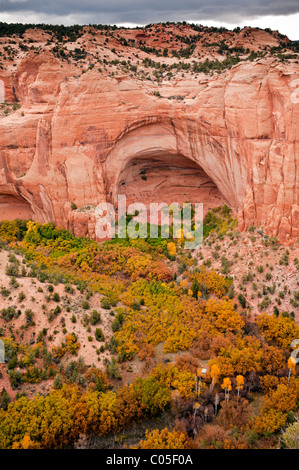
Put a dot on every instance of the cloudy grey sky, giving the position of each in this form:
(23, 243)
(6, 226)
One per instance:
(275, 14)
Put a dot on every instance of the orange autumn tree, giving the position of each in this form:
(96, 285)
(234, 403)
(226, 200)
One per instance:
(291, 367)
(214, 373)
(227, 387)
(26, 443)
(240, 383)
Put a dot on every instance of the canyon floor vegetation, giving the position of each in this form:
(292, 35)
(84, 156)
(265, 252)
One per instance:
(144, 344)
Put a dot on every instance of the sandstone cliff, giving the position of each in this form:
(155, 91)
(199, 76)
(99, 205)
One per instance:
(77, 139)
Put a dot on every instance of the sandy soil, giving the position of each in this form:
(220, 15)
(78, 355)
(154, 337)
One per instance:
(251, 254)
(35, 301)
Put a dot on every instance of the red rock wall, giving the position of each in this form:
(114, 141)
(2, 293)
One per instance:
(73, 137)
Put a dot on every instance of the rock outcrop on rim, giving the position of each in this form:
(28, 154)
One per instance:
(76, 140)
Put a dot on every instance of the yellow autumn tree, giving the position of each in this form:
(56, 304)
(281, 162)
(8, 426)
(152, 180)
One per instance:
(280, 329)
(211, 281)
(171, 248)
(184, 283)
(222, 314)
(165, 439)
(214, 373)
(291, 366)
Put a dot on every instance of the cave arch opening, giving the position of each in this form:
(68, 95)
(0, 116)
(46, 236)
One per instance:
(15, 207)
(157, 163)
(166, 177)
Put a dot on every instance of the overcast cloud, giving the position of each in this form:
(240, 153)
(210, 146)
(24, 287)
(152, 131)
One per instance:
(141, 12)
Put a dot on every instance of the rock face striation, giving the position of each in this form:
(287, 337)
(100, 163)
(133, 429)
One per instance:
(80, 139)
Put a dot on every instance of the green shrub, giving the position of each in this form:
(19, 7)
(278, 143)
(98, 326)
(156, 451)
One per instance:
(105, 303)
(112, 369)
(99, 335)
(242, 300)
(95, 317)
(56, 297)
(12, 269)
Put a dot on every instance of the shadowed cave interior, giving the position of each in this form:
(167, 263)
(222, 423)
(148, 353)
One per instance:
(14, 207)
(167, 178)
